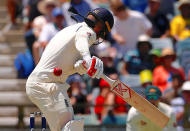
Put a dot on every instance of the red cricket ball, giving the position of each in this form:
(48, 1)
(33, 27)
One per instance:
(57, 71)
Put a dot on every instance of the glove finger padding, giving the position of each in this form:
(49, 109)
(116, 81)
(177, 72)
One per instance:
(100, 71)
(96, 68)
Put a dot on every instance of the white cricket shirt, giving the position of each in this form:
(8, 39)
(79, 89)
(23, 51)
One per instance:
(64, 49)
(138, 122)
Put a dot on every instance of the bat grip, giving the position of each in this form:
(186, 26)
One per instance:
(110, 81)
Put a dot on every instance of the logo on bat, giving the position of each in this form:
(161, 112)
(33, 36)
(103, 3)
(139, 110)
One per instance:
(122, 90)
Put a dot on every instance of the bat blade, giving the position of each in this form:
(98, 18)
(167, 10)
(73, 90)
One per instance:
(138, 102)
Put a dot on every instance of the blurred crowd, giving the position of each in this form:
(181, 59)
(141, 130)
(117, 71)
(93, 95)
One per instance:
(150, 40)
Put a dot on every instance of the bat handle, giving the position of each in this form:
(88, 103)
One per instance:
(110, 81)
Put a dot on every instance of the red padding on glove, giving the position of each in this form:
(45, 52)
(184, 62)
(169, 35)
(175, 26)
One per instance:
(92, 70)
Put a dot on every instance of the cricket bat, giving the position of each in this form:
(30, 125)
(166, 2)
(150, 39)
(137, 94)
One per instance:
(137, 101)
(134, 99)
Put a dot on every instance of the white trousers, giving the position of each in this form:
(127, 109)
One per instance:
(53, 101)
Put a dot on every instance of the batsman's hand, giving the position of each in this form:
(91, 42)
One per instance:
(80, 67)
(95, 67)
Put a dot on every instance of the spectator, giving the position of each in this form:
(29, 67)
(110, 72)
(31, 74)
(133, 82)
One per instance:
(137, 122)
(139, 59)
(166, 69)
(156, 57)
(77, 98)
(30, 12)
(12, 8)
(129, 25)
(158, 19)
(137, 5)
(53, 27)
(146, 80)
(32, 35)
(180, 25)
(120, 105)
(82, 6)
(174, 91)
(45, 7)
(37, 25)
(113, 104)
(173, 97)
(167, 7)
(101, 104)
(186, 96)
(177, 105)
(48, 32)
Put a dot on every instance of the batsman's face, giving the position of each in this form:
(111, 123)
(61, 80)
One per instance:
(98, 27)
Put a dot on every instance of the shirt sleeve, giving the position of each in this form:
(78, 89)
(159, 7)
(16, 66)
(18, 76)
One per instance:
(174, 27)
(84, 39)
(145, 23)
(171, 124)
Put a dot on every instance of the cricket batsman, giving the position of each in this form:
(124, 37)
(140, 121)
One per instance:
(65, 55)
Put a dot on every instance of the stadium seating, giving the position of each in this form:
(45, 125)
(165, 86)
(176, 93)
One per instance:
(183, 53)
(13, 99)
(158, 43)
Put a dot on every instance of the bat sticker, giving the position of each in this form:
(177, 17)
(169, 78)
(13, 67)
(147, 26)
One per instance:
(122, 90)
